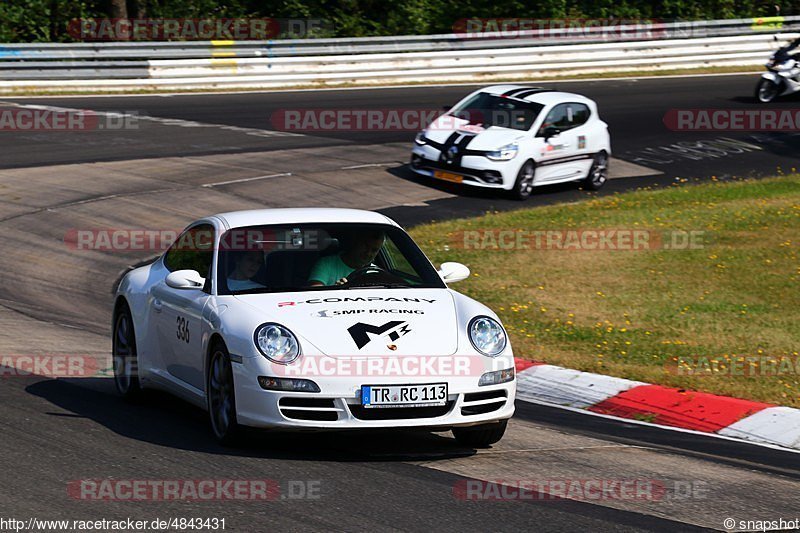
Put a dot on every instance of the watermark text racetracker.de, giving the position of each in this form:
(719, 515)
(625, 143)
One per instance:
(394, 119)
(734, 366)
(160, 240)
(746, 120)
(195, 490)
(198, 29)
(406, 366)
(51, 366)
(593, 489)
(612, 239)
(33, 118)
(566, 29)
(593, 29)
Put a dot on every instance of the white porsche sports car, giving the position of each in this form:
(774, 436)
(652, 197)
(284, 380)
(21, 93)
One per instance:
(313, 319)
(516, 138)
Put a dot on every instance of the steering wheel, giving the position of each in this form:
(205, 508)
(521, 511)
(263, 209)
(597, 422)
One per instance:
(376, 275)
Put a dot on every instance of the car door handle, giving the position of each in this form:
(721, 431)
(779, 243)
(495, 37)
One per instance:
(157, 305)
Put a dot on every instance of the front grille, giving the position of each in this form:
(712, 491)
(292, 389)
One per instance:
(313, 409)
(399, 413)
(486, 395)
(307, 402)
(499, 397)
(470, 174)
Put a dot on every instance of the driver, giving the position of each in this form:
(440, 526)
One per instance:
(246, 266)
(334, 269)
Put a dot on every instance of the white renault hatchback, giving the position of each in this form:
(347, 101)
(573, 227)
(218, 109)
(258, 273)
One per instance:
(516, 138)
(313, 319)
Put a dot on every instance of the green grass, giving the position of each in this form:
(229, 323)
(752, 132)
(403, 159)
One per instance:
(635, 314)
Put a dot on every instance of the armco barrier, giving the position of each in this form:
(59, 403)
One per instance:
(403, 59)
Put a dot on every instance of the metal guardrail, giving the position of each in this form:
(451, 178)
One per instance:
(447, 57)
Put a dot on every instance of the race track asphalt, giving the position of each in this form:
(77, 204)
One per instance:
(208, 153)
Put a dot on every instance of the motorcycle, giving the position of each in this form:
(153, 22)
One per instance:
(782, 76)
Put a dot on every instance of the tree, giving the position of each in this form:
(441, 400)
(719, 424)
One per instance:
(118, 9)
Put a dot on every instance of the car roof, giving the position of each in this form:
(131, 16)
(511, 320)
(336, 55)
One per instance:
(301, 215)
(539, 95)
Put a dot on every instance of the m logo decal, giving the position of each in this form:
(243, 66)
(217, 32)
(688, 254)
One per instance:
(361, 332)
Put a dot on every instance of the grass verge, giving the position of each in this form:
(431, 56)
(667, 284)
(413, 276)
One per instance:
(719, 311)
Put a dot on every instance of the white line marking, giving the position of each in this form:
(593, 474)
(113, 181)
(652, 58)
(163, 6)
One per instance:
(565, 448)
(244, 180)
(369, 165)
(177, 122)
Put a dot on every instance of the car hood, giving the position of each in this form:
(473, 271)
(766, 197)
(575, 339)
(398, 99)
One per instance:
(489, 138)
(359, 322)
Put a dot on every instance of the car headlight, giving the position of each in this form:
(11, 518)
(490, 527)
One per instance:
(277, 343)
(505, 153)
(487, 336)
(420, 139)
(497, 377)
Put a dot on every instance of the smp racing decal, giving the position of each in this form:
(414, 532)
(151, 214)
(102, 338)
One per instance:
(327, 313)
(356, 299)
(361, 332)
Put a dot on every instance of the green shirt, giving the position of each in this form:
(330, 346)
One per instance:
(329, 269)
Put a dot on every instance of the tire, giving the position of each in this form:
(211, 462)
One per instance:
(598, 173)
(523, 187)
(221, 397)
(767, 91)
(125, 360)
(481, 436)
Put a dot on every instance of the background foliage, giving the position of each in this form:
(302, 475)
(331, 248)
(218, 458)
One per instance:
(46, 20)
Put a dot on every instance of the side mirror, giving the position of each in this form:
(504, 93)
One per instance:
(446, 108)
(185, 280)
(452, 272)
(551, 131)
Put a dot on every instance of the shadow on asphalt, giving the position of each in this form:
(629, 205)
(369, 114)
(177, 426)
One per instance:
(465, 191)
(471, 202)
(161, 419)
(751, 99)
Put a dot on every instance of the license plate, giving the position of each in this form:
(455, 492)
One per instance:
(404, 395)
(448, 176)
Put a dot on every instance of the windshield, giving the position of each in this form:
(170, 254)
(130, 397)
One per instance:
(314, 257)
(492, 110)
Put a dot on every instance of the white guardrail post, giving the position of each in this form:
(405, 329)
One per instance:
(120, 66)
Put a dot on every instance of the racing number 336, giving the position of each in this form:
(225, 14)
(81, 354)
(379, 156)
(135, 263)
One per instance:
(183, 329)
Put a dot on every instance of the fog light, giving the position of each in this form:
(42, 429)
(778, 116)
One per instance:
(289, 385)
(497, 377)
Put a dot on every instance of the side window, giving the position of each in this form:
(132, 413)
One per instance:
(557, 117)
(580, 114)
(565, 117)
(193, 250)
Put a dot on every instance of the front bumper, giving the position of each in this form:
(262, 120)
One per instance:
(477, 171)
(337, 405)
